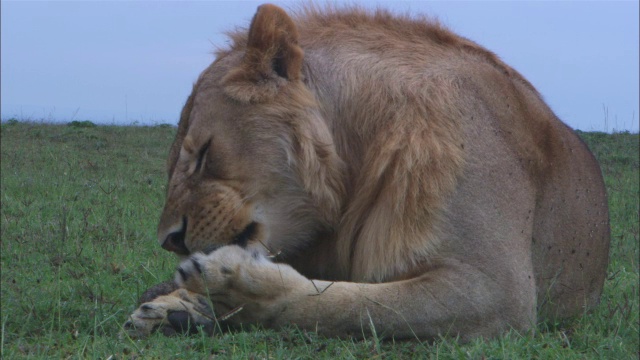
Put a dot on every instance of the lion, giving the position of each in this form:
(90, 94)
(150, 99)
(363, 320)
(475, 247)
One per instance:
(348, 171)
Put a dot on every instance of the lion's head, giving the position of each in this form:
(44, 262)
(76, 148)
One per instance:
(249, 164)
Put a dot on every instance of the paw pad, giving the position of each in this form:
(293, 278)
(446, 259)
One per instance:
(182, 322)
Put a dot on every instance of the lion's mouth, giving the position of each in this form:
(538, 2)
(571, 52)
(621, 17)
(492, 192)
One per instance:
(175, 240)
(242, 239)
(247, 234)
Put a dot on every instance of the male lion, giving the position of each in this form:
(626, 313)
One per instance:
(421, 183)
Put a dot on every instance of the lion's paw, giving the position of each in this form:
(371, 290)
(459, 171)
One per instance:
(178, 312)
(215, 274)
(237, 279)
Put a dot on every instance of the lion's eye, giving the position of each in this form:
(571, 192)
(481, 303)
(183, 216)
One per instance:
(201, 156)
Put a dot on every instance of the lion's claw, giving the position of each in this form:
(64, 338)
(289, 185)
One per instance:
(181, 312)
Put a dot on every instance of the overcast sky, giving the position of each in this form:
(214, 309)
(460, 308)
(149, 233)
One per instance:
(126, 62)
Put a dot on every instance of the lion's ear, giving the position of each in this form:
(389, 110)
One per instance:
(273, 43)
(272, 54)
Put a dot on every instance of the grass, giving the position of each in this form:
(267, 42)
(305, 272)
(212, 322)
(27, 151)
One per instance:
(79, 210)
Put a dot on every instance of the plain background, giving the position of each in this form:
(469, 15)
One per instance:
(131, 62)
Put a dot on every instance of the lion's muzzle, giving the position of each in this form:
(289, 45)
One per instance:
(174, 241)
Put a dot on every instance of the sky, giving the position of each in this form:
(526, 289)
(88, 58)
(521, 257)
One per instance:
(134, 62)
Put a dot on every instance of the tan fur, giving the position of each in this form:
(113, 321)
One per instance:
(410, 165)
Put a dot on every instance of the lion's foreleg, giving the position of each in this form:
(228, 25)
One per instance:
(452, 299)
(446, 302)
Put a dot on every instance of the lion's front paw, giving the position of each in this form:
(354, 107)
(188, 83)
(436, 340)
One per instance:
(214, 273)
(232, 270)
(178, 312)
(239, 282)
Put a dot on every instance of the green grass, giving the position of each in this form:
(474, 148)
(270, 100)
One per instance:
(79, 210)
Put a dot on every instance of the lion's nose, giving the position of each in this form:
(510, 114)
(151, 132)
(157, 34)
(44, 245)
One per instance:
(175, 240)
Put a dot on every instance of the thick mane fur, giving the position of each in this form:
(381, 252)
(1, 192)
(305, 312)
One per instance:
(367, 95)
(390, 80)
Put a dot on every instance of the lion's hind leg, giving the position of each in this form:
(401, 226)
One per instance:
(181, 311)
